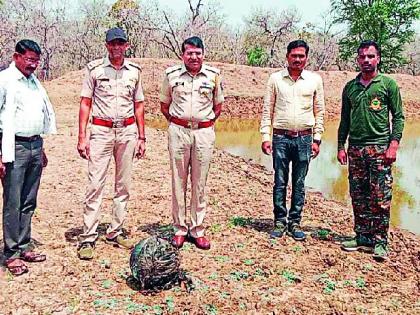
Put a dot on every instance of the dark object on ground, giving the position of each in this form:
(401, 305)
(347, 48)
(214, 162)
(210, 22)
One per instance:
(155, 264)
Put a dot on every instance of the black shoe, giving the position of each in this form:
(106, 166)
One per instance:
(279, 230)
(296, 232)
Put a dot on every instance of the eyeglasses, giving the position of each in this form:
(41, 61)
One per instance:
(30, 60)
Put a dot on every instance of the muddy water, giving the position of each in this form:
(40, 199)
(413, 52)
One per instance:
(326, 175)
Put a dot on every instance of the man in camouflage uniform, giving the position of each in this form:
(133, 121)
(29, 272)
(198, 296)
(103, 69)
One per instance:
(191, 99)
(112, 91)
(366, 103)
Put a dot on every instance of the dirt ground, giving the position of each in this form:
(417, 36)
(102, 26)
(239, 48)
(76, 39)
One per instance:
(245, 272)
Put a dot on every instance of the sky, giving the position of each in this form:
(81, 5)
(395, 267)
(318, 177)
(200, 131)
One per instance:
(236, 10)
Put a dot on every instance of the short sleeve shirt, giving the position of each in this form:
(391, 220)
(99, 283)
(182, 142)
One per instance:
(192, 97)
(113, 92)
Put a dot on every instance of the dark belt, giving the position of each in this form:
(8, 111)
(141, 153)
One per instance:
(291, 133)
(191, 124)
(113, 123)
(24, 139)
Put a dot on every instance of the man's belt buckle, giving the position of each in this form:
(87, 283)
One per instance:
(117, 123)
(192, 124)
(292, 134)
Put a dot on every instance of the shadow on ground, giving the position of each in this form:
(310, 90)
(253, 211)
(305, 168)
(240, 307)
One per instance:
(72, 234)
(165, 231)
(266, 226)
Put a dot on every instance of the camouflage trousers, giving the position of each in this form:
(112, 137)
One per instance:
(370, 190)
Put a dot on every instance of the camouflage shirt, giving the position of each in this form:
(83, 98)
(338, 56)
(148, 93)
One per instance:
(365, 112)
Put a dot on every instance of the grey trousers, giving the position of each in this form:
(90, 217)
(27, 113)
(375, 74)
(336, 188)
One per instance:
(20, 189)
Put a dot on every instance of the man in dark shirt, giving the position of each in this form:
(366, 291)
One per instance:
(366, 103)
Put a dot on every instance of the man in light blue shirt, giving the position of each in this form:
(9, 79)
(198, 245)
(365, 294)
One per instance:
(25, 114)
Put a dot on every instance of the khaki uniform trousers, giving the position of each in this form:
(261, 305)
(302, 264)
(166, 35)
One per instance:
(190, 151)
(104, 143)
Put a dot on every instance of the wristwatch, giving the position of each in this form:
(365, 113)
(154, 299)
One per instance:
(318, 142)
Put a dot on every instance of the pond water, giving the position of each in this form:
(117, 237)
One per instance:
(326, 175)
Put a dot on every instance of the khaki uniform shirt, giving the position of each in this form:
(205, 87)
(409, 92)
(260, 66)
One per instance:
(293, 105)
(192, 97)
(112, 91)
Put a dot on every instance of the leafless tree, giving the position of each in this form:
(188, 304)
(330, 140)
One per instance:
(269, 28)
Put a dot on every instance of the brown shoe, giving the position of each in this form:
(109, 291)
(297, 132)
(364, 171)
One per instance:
(202, 243)
(178, 240)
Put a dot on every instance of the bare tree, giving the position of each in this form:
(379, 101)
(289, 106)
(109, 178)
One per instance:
(268, 28)
(201, 18)
(323, 39)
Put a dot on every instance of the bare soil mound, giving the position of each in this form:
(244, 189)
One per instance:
(244, 88)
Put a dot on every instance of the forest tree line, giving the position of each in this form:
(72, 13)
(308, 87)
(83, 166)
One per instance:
(71, 35)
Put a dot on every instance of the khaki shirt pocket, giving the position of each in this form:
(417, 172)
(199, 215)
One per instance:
(205, 92)
(179, 91)
(103, 84)
(128, 87)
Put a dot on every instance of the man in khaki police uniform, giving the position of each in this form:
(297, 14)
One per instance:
(112, 91)
(191, 99)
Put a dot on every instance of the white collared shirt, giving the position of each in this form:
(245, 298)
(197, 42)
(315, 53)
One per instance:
(30, 105)
(25, 110)
(293, 105)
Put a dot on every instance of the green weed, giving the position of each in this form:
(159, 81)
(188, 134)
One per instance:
(224, 295)
(239, 275)
(170, 304)
(329, 286)
(222, 259)
(106, 284)
(239, 221)
(133, 307)
(210, 309)
(248, 262)
(106, 303)
(215, 228)
(360, 283)
(290, 276)
(214, 276)
(105, 263)
(157, 309)
(297, 249)
(260, 273)
(187, 247)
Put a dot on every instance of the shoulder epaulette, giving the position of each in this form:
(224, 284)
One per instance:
(173, 69)
(135, 65)
(211, 69)
(93, 64)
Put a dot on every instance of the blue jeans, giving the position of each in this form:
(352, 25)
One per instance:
(297, 150)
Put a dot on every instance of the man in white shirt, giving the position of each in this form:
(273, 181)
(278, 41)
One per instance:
(294, 108)
(25, 114)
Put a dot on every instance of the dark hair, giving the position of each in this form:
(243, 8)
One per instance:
(367, 44)
(26, 44)
(193, 41)
(296, 44)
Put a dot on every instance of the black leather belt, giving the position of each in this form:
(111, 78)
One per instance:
(291, 133)
(25, 139)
